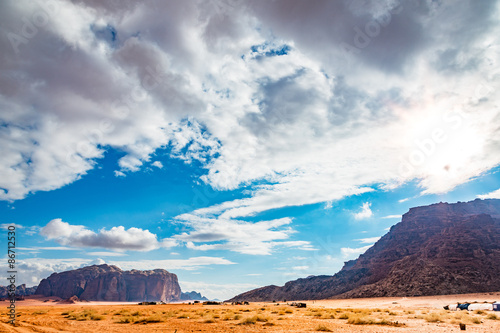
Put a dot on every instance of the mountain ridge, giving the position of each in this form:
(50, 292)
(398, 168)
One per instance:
(460, 243)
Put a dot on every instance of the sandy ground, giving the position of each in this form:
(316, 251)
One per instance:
(412, 314)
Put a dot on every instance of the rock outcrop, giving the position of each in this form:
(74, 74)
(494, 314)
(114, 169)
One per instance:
(193, 296)
(110, 283)
(437, 249)
(21, 290)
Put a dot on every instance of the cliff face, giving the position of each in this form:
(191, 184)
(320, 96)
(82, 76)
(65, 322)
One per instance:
(437, 249)
(110, 283)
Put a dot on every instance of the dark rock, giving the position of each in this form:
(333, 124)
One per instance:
(21, 290)
(110, 283)
(193, 296)
(435, 250)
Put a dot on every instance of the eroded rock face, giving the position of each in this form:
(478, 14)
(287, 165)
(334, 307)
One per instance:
(437, 249)
(21, 290)
(110, 283)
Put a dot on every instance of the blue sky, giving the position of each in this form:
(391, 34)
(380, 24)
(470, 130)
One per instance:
(238, 143)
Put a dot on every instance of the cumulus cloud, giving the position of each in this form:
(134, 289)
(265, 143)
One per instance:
(365, 212)
(116, 238)
(252, 96)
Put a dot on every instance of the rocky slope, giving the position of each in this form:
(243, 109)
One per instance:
(110, 283)
(437, 249)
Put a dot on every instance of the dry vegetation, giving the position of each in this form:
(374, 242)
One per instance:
(252, 318)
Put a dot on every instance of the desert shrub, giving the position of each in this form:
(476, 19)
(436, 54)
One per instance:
(151, 319)
(433, 318)
(126, 320)
(253, 320)
(323, 328)
(492, 316)
(97, 317)
(344, 316)
(476, 320)
(40, 312)
(248, 321)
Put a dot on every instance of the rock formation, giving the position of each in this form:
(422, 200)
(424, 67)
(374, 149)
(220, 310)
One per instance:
(193, 296)
(21, 290)
(437, 249)
(110, 283)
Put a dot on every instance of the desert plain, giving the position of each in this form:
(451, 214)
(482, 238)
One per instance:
(391, 314)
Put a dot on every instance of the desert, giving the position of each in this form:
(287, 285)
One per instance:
(382, 314)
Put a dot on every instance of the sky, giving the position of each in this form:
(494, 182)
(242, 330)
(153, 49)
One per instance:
(238, 143)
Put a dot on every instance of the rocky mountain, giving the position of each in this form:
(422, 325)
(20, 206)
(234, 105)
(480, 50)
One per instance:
(438, 249)
(193, 296)
(21, 290)
(110, 283)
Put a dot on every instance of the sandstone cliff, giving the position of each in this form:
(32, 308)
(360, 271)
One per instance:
(437, 249)
(110, 283)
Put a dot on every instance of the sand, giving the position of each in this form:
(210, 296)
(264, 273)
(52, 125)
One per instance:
(396, 314)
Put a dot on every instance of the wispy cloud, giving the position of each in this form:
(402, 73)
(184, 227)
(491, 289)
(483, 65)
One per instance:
(392, 217)
(258, 238)
(369, 240)
(353, 253)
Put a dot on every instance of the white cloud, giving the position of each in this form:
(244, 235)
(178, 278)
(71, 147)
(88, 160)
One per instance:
(369, 240)
(352, 253)
(119, 174)
(392, 217)
(259, 238)
(117, 238)
(403, 200)
(365, 212)
(157, 164)
(300, 268)
(314, 124)
(491, 195)
(7, 225)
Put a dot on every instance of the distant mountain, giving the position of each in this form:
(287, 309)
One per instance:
(110, 283)
(21, 290)
(438, 249)
(193, 296)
